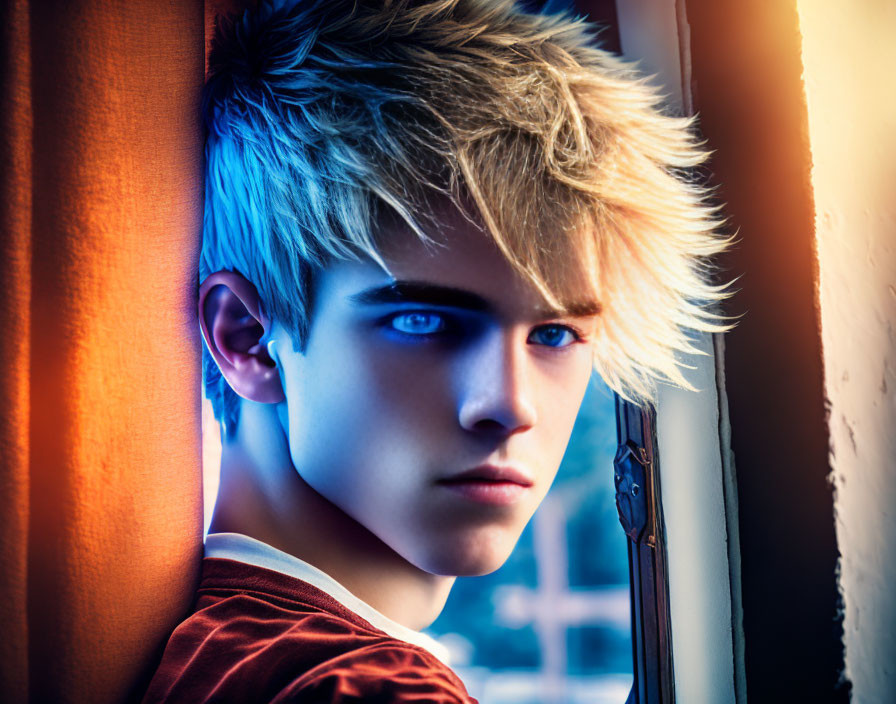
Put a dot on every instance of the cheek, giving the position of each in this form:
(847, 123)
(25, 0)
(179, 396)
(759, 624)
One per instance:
(360, 410)
(402, 390)
(560, 397)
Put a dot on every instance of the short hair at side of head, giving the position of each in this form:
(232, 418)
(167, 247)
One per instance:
(326, 117)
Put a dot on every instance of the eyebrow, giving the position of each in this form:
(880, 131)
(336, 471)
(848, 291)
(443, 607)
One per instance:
(419, 292)
(432, 294)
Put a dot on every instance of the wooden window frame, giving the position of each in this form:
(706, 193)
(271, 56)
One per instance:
(639, 502)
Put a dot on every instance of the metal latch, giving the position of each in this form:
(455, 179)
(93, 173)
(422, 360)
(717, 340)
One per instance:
(631, 496)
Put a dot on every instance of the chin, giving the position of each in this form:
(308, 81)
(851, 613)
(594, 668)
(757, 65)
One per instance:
(469, 558)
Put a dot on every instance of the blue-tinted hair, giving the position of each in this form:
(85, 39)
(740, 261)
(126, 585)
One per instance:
(325, 116)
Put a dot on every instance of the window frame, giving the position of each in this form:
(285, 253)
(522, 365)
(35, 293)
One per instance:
(638, 484)
(686, 587)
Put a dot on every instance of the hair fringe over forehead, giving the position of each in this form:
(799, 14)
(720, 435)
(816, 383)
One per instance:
(326, 116)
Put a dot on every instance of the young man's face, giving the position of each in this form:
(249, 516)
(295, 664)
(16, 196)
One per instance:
(434, 408)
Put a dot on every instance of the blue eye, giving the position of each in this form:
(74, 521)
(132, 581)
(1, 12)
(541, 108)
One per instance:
(553, 336)
(418, 323)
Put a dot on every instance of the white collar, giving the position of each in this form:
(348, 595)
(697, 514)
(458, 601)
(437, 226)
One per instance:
(242, 548)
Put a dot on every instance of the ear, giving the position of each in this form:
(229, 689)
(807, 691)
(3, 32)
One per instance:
(233, 325)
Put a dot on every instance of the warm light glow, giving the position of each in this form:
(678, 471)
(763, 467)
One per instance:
(848, 59)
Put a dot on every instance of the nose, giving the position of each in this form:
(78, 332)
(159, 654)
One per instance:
(496, 395)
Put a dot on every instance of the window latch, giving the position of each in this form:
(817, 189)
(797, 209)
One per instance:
(631, 497)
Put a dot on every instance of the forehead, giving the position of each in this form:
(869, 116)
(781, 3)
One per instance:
(459, 256)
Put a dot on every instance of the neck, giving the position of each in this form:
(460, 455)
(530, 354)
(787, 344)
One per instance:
(263, 496)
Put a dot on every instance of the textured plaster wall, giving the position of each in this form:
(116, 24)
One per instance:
(849, 58)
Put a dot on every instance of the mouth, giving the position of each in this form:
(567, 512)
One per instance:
(489, 484)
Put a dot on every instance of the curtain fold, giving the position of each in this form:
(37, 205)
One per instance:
(15, 297)
(100, 451)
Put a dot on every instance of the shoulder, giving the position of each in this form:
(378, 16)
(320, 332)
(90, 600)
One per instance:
(388, 671)
(243, 648)
(317, 659)
(250, 641)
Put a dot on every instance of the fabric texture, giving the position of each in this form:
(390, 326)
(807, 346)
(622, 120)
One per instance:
(257, 635)
(101, 188)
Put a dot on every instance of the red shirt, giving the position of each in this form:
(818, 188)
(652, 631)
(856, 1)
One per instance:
(257, 635)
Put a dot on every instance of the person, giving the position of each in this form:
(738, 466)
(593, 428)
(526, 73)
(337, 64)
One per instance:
(426, 224)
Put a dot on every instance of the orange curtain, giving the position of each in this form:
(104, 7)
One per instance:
(100, 452)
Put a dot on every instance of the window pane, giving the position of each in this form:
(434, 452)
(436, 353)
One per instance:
(552, 625)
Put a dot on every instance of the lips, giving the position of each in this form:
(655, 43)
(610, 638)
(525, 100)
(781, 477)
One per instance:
(489, 484)
(491, 473)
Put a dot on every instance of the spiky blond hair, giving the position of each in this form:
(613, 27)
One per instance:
(326, 116)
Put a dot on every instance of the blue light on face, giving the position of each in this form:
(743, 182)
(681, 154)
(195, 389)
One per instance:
(422, 325)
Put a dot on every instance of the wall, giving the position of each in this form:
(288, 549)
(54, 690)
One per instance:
(849, 55)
